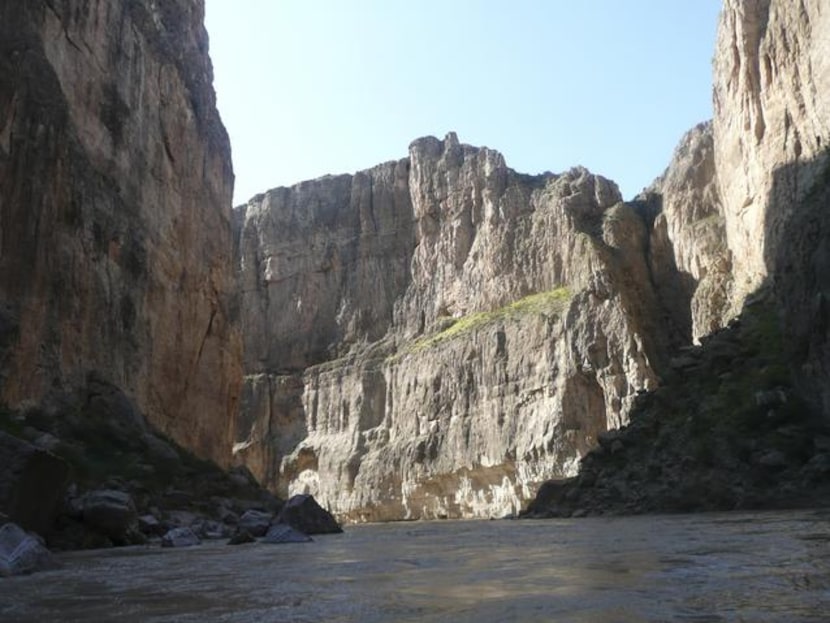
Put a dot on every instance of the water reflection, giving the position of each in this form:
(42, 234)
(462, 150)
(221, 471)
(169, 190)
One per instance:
(703, 568)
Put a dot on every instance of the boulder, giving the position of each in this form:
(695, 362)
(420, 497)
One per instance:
(241, 537)
(210, 529)
(33, 483)
(46, 442)
(227, 516)
(22, 553)
(180, 537)
(255, 522)
(182, 518)
(774, 459)
(303, 513)
(150, 525)
(283, 533)
(111, 513)
(160, 451)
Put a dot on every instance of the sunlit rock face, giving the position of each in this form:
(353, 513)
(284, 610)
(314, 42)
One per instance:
(688, 254)
(115, 191)
(772, 108)
(435, 336)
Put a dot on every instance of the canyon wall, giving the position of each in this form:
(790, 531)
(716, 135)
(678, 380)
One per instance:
(435, 336)
(772, 141)
(115, 233)
(772, 109)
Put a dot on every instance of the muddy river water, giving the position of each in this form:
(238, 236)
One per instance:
(693, 568)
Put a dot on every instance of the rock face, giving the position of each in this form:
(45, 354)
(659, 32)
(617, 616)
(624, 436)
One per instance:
(772, 134)
(115, 237)
(688, 254)
(742, 422)
(772, 109)
(435, 336)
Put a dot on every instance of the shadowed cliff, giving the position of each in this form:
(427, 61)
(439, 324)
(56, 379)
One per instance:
(115, 187)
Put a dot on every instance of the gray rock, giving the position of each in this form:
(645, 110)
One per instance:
(227, 516)
(256, 522)
(303, 513)
(182, 518)
(210, 529)
(111, 513)
(47, 442)
(282, 533)
(774, 459)
(150, 525)
(22, 553)
(180, 537)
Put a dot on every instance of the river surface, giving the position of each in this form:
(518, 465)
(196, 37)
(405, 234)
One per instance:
(694, 568)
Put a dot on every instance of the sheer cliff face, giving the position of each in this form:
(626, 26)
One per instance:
(691, 262)
(115, 186)
(772, 134)
(434, 337)
(772, 79)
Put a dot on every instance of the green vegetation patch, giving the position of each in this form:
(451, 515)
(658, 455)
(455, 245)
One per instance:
(551, 302)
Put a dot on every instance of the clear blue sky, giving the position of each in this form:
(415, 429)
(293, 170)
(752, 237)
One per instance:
(309, 87)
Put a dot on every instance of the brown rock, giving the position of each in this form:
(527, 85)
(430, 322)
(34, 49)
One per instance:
(116, 182)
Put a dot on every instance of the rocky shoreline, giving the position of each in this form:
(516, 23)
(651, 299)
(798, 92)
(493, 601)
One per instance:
(89, 472)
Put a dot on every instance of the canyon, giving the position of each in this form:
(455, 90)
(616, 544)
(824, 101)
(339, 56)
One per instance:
(434, 337)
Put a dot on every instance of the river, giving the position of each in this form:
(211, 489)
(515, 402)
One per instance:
(750, 567)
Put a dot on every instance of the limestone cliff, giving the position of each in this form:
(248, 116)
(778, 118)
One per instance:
(743, 218)
(772, 133)
(115, 236)
(771, 81)
(435, 336)
(688, 254)
(741, 204)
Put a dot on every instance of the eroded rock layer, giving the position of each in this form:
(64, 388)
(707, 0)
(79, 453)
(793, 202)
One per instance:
(115, 237)
(435, 336)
